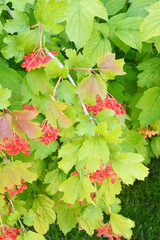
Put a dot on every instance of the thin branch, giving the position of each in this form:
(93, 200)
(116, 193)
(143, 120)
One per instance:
(2, 225)
(95, 187)
(55, 89)
(73, 83)
(18, 219)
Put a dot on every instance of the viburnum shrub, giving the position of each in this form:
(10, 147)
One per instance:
(79, 111)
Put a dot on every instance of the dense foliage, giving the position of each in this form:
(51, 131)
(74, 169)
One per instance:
(80, 117)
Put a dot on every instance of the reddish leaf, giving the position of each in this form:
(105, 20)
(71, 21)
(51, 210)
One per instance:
(5, 126)
(109, 67)
(55, 115)
(92, 86)
(23, 125)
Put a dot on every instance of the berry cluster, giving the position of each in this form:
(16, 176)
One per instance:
(30, 107)
(108, 103)
(15, 145)
(82, 202)
(8, 233)
(107, 230)
(36, 59)
(147, 132)
(16, 189)
(105, 171)
(50, 133)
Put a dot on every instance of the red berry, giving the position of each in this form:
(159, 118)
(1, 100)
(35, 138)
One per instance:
(20, 190)
(16, 192)
(54, 52)
(27, 153)
(123, 112)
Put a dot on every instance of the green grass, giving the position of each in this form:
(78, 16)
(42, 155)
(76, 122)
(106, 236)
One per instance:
(140, 202)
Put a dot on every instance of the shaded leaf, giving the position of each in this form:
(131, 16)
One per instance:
(149, 103)
(39, 82)
(113, 6)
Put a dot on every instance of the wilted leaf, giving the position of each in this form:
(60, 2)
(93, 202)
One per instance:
(92, 86)
(109, 67)
(22, 123)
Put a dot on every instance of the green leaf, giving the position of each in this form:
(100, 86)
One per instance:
(21, 121)
(129, 167)
(76, 61)
(42, 150)
(67, 92)
(39, 82)
(53, 69)
(54, 178)
(151, 73)
(19, 23)
(2, 203)
(42, 207)
(149, 103)
(66, 217)
(30, 236)
(98, 44)
(20, 5)
(13, 172)
(92, 86)
(11, 79)
(29, 218)
(113, 6)
(109, 135)
(51, 13)
(109, 67)
(121, 225)
(79, 18)
(12, 218)
(85, 126)
(76, 186)
(127, 30)
(28, 40)
(109, 190)
(93, 149)
(5, 94)
(155, 145)
(153, 21)
(113, 37)
(69, 155)
(138, 7)
(10, 50)
(55, 115)
(91, 219)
